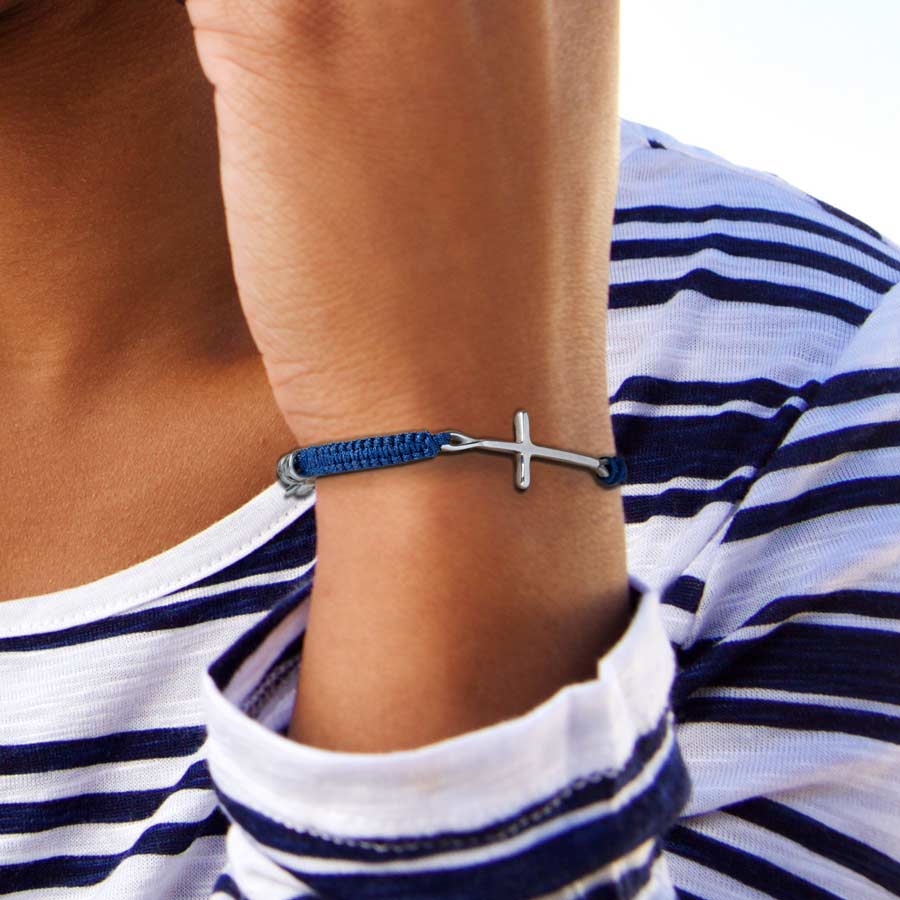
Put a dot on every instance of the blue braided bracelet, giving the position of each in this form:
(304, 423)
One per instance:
(298, 469)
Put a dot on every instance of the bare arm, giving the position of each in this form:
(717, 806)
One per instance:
(419, 201)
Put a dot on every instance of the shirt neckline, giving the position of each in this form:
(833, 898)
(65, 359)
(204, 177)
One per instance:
(224, 542)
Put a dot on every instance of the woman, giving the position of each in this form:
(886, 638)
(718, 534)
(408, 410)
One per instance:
(269, 225)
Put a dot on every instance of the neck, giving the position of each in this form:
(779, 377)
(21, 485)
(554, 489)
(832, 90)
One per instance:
(114, 258)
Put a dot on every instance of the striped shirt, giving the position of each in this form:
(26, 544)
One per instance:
(741, 740)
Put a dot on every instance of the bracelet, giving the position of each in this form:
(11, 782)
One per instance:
(298, 470)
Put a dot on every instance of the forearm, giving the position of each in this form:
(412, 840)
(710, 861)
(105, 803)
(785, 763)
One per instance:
(420, 200)
(445, 599)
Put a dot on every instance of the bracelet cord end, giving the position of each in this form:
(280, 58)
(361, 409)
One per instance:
(616, 470)
(294, 483)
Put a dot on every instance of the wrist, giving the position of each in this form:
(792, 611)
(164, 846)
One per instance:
(459, 386)
(445, 600)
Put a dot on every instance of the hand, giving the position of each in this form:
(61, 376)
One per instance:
(417, 193)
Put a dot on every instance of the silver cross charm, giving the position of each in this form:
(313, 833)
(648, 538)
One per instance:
(524, 449)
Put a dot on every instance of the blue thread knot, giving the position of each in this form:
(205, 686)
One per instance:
(617, 470)
(369, 452)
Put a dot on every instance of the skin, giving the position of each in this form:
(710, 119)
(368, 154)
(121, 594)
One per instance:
(374, 305)
(120, 316)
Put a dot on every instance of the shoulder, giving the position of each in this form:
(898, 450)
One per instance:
(738, 303)
(682, 171)
(755, 394)
(733, 297)
(749, 223)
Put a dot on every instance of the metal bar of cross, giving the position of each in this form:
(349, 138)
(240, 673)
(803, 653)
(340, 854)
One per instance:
(524, 450)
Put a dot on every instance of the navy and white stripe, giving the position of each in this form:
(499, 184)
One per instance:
(755, 392)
